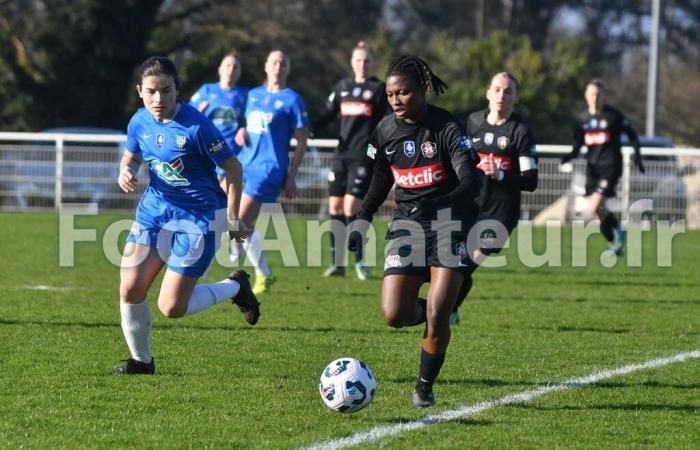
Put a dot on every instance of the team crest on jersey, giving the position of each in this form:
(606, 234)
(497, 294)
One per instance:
(160, 140)
(371, 151)
(180, 141)
(503, 142)
(461, 251)
(488, 138)
(279, 104)
(356, 92)
(170, 172)
(464, 143)
(367, 94)
(603, 124)
(594, 123)
(429, 149)
(409, 148)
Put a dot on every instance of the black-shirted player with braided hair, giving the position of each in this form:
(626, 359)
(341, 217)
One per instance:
(361, 103)
(599, 128)
(508, 166)
(424, 151)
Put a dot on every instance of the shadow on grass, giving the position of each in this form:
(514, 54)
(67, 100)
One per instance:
(614, 407)
(488, 382)
(180, 326)
(428, 420)
(651, 384)
(566, 329)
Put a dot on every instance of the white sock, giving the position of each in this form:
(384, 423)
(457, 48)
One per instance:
(204, 296)
(136, 325)
(235, 251)
(254, 249)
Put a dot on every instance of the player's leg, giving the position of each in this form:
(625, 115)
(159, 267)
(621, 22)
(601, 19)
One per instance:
(253, 246)
(337, 237)
(139, 267)
(400, 305)
(445, 284)
(359, 177)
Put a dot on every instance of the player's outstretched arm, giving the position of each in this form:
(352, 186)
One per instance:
(128, 168)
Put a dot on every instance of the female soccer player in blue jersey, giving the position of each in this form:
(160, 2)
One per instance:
(273, 114)
(181, 214)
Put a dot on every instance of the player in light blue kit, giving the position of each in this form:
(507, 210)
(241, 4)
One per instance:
(181, 215)
(273, 114)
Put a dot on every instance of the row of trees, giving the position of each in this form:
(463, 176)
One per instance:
(72, 62)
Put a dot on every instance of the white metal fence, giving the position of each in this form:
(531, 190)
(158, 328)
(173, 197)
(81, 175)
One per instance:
(39, 171)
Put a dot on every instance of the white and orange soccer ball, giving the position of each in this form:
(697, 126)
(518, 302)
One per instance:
(347, 385)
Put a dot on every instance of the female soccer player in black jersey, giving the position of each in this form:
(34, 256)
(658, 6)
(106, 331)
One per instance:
(425, 152)
(361, 103)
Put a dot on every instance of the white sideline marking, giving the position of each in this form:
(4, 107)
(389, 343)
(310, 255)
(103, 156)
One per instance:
(43, 287)
(470, 410)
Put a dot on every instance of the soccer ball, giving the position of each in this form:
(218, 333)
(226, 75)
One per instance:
(347, 385)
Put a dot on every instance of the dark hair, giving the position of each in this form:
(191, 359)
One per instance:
(414, 67)
(158, 65)
(232, 53)
(362, 45)
(597, 82)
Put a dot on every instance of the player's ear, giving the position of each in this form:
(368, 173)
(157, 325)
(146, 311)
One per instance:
(138, 89)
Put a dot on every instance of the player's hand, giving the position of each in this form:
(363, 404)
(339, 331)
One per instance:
(203, 105)
(127, 179)
(290, 187)
(238, 231)
(242, 138)
(357, 234)
(639, 162)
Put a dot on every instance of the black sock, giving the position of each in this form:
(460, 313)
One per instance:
(608, 225)
(463, 291)
(359, 251)
(430, 366)
(421, 311)
(337, 248)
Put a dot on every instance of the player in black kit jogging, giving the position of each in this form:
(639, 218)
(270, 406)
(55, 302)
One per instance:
(508, 165)
(599, 128)
(361, 102)
(425, 152)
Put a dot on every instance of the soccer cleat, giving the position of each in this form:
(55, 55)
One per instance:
(134, 367)
(334, 271)
(423, 397)
(245, 299)
(454, 318)
(618, 244)
(263, 283)
(362, 271)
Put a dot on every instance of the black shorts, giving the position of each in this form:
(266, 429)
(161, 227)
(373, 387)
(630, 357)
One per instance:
(490, 233)
(414, 248)
(349, 177)
(602, 180)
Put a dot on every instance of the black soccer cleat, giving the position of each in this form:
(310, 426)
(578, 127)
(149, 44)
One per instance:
(245, 299)
(134, 367)
(423, 397)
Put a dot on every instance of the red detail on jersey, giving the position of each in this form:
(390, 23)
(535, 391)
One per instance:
(596, 137)
(355, 109)
(504, 163)
(418, 177)
(176, 164)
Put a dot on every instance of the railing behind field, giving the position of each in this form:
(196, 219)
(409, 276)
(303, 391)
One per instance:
(41, 171)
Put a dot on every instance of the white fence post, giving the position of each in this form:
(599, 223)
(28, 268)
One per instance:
(626, 170)
(58, 187)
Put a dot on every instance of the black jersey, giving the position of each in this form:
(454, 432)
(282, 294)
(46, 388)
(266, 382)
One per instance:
(512, 147)
(600, 133)
(425, 160)
(361, 107)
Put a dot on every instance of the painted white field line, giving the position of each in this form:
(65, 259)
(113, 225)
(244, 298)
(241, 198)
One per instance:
(470, 410)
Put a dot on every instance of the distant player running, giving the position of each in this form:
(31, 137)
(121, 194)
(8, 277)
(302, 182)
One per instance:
(173, 220)
(361, 102)
(506, 148)
(423, 149)
(600, 128)
(273, 114)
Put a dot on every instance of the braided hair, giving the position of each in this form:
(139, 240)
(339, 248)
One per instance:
(416, 68)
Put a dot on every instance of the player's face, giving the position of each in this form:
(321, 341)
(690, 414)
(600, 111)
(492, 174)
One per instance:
(594, 97)
(159, 95)
(406, 98)
(230, 70)
(277, 67)
(361, 63)
(502, 94)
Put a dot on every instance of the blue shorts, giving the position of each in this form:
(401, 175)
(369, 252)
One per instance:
(186, 252)
(264, 189)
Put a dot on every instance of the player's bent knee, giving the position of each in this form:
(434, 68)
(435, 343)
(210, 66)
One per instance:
(171, 310)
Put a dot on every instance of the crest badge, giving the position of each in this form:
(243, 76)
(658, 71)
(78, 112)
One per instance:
(409, 148)
(503, 142)
(429, 149)
(488, 138)
(160, 140)
(181, 141)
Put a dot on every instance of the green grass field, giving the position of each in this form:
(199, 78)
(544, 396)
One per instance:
(223, 384)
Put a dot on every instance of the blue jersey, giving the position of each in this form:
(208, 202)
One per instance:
(181, 157)
(226, 108)
(271, 118)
